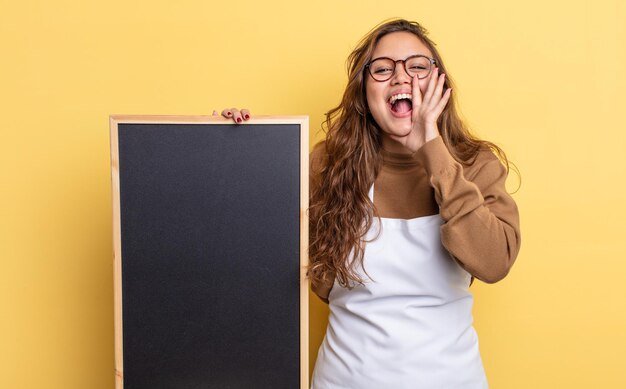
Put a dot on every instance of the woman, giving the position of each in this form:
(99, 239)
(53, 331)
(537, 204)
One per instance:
(406, 209)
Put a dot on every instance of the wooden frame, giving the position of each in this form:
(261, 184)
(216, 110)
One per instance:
(115, 120)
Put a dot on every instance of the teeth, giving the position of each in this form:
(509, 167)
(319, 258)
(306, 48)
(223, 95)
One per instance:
(397, 97)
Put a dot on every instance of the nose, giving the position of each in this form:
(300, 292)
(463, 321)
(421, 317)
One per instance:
(400, 75)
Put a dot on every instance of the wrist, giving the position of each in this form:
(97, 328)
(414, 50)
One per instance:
(431, 133)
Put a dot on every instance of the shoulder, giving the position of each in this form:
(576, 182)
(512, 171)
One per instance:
(438, 157)
(483, 164)
(318, 148)
(317, 155)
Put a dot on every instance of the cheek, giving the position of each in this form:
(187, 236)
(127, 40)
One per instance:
(373, 96)
(375, 102)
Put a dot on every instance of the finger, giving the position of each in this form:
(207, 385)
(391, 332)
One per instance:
(431, 85)
(416, 99)
(215, 113)
(236, 115)
(416, 92)
(227, 113)
(442, 103)
(438, 89)
(245, 113)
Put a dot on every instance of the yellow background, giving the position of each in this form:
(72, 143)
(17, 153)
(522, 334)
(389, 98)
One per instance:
(544, 80)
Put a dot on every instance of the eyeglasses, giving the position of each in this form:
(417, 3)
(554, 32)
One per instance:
(383, 68)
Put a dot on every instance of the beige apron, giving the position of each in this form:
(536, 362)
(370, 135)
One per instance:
(410, 325)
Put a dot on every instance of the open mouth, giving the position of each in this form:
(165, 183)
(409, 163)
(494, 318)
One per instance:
(401, 104)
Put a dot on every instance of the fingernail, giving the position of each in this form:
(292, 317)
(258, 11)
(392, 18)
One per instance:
(247, 117)
(238, 120)
(229, 114)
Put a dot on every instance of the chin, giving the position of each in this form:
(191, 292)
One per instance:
(399, 130)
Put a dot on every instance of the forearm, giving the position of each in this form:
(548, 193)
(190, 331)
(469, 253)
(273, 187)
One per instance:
(481, 228)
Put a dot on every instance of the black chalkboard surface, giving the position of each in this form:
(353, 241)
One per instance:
(210, 238)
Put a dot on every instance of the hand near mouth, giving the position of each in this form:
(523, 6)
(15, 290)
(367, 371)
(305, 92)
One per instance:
(426, 110)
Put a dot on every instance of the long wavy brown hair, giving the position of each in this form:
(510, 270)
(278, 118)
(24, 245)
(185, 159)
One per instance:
(340, 211)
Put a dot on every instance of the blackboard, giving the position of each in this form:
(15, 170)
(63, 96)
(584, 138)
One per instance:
(210, 236)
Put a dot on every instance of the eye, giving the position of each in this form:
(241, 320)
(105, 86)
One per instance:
(382, 70)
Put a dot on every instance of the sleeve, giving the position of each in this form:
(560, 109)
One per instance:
(315, 161)
(481, 220)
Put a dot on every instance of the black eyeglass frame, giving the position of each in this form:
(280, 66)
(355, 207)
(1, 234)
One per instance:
(431, 60)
